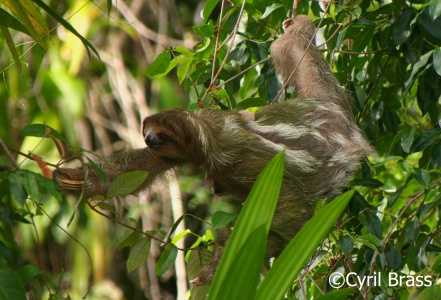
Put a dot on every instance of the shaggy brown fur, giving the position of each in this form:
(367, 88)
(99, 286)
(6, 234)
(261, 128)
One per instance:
(323, 145)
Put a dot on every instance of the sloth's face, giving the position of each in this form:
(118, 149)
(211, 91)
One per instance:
(164, 134)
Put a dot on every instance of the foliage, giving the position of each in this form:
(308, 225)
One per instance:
(386, 54)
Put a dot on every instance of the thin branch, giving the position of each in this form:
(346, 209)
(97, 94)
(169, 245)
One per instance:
(244, 71)
(216, 49)
(236, 28)
(8, 154)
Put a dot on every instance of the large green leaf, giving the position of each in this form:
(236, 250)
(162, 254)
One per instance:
(299, 250)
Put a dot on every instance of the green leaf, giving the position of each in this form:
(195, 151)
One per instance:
(126, 183)
(125, 237)
(392, 199)
(10, 21)
(204, 30)
(374, 224)
(346, 244)
(407, 138)
(21, 9)
(16, 188)
(167, 259)
(426, 139)
(431, 292)
(422, 177)
(434, 9)
(97, 169)
(221, 219)
(37, 18)
(109, 7)
(138, 254)
(40, 130)
(11, 285)
(183, 63)
(30, 184)
(412, 231)
(209, 6)
(437, 60)
(11, 46)
(403, 26)
(196, 260)
(341, 294)
(240, 267)
(270, 9)
(175, 225)
(369, 240)
(422, 63)
(297, 253)
(251, 102)
(393, 258)
(160, 66)
(28, 272)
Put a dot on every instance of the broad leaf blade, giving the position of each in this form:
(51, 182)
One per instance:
(138, 254)
(298, 252)
(126, 183)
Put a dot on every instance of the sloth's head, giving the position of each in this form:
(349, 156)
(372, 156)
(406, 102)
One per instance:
(171, 134)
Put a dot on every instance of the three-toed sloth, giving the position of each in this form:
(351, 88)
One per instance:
(317, 131)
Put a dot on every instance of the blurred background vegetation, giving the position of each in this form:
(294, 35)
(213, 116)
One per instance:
(386, 53)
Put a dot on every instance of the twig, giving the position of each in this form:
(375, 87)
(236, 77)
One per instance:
(213, 70)
(8, 154)
(244, 71)
(236, 28)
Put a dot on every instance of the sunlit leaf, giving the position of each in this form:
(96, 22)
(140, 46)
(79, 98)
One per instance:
(20, 9)
(160, 66)
(11, 47)
(209, 6)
